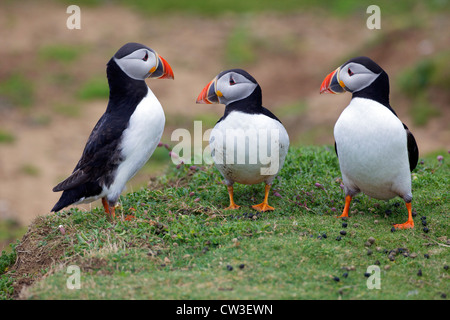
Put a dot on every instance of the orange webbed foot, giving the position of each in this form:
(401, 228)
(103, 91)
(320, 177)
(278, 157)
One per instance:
(348, 200)
(408, 224)
(262, 207)
(232, 205)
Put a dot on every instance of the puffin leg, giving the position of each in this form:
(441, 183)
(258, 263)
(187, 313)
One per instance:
(110, 210)
(408, 224)
(264, 206)
(348, 200)
(232, 204)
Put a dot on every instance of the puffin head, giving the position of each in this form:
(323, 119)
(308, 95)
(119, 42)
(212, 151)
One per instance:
(140, 62)
(353, 76)
(227, 87)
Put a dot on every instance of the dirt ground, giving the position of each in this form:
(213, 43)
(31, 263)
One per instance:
(295, 53)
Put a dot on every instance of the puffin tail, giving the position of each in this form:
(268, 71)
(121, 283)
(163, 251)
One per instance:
(65, 200)
(74, 195)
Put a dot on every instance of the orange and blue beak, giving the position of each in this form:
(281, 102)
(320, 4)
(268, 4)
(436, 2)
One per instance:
(209, 94)
(162, 70)
(332, 84)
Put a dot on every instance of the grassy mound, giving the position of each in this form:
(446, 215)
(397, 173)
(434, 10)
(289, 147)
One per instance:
(174, 240)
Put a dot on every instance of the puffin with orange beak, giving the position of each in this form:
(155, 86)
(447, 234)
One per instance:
(376, 151)
(249, 143)
(126, 135)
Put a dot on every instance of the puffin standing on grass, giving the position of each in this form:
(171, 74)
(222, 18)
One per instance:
(376, 151)
(248, 144)
(125, 136)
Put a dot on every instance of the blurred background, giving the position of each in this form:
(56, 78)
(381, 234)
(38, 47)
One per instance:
(53, 87)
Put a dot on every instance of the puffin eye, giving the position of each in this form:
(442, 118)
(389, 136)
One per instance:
(146, 57)
(350, 73)
(232, 82)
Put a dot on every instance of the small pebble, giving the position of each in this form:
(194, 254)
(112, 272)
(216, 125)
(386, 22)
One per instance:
(369, 252)
(371, 240)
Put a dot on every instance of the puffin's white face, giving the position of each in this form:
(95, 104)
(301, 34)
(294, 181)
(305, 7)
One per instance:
(227, 87)
(139, 64)
(354, 77)
(233, 86)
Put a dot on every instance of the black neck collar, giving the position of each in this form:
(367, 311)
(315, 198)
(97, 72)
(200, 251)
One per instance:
(123, 89)
(378, 91)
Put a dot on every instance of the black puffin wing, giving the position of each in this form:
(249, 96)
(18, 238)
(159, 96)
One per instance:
(413, 149)
(269, 114)
(99, 155)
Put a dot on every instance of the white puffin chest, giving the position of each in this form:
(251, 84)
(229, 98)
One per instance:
(372, 149)
(139, 140)
(249, 148)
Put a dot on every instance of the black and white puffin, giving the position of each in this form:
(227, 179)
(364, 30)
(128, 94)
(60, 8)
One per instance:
(249, 143)
(376, 151)
(125, 136)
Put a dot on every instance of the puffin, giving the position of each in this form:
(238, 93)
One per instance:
(125, 136)
(249, 143)
(376, 151)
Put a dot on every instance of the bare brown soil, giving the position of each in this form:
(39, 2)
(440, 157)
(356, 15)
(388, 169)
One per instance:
(294, 54)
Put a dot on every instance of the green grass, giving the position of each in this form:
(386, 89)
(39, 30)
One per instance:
(181, 242)
(61, 53)
(94, 88)
(18, 90)
(420, 83)
(6, 136)
(241, 47)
